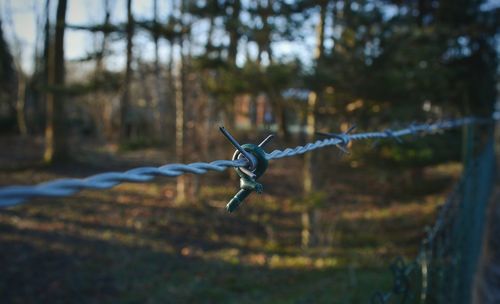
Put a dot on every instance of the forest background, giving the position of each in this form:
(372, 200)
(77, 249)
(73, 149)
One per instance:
(92, 86)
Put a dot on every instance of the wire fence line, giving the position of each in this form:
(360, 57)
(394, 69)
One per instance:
(444, 268)
(403, 272)
(14, 195)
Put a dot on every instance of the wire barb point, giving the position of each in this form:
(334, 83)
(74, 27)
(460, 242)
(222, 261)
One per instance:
(344, 139)
(266, 140)
(252, 162)
(390, 133)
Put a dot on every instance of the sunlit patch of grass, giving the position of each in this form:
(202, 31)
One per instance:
(423, 208)
(216, 191)
(277, 261)
(453, 169)
(266, 202)
(146, 189)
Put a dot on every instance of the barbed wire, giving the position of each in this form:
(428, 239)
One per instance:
(14, 195)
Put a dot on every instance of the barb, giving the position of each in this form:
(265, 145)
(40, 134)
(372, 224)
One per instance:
(13, 195)
(343, 137)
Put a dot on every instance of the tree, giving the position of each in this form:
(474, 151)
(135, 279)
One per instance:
(159, 97)
(125, 123)
(103, 104)
(180, 100)
(312, 101)
(275, 73)
(7, 80)
(311, 214)
(56, 147)
(21, 76)
(233, 26)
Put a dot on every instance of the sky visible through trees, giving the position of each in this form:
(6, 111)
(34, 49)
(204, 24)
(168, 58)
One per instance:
(77, 43)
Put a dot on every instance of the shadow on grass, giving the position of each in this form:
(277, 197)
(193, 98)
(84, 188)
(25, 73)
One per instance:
(130, 245)
(55, 267)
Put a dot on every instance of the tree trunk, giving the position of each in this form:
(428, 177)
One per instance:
(49, 79)
(159, 98)
(19, 96)
(264, 43)
(170, 121)
(21, 90)
(309, 183)
(125, 123)
(282, 120)
(209, 47)
(234, 36)
(179, 119)
(99, 104)
(310, 217)
(306, 229)
(309, 176)
(56, 148)
(179, 129)
(104, 104)
(310, 230)
(100, 56)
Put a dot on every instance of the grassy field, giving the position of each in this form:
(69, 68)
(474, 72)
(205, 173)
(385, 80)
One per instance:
(134, 244)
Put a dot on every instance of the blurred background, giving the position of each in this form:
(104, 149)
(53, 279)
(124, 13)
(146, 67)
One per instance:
(108, 85)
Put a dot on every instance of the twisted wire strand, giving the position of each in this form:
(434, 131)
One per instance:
(14, 195)
(410, 130)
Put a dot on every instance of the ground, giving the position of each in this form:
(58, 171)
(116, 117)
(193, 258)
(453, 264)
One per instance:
(135, 244)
